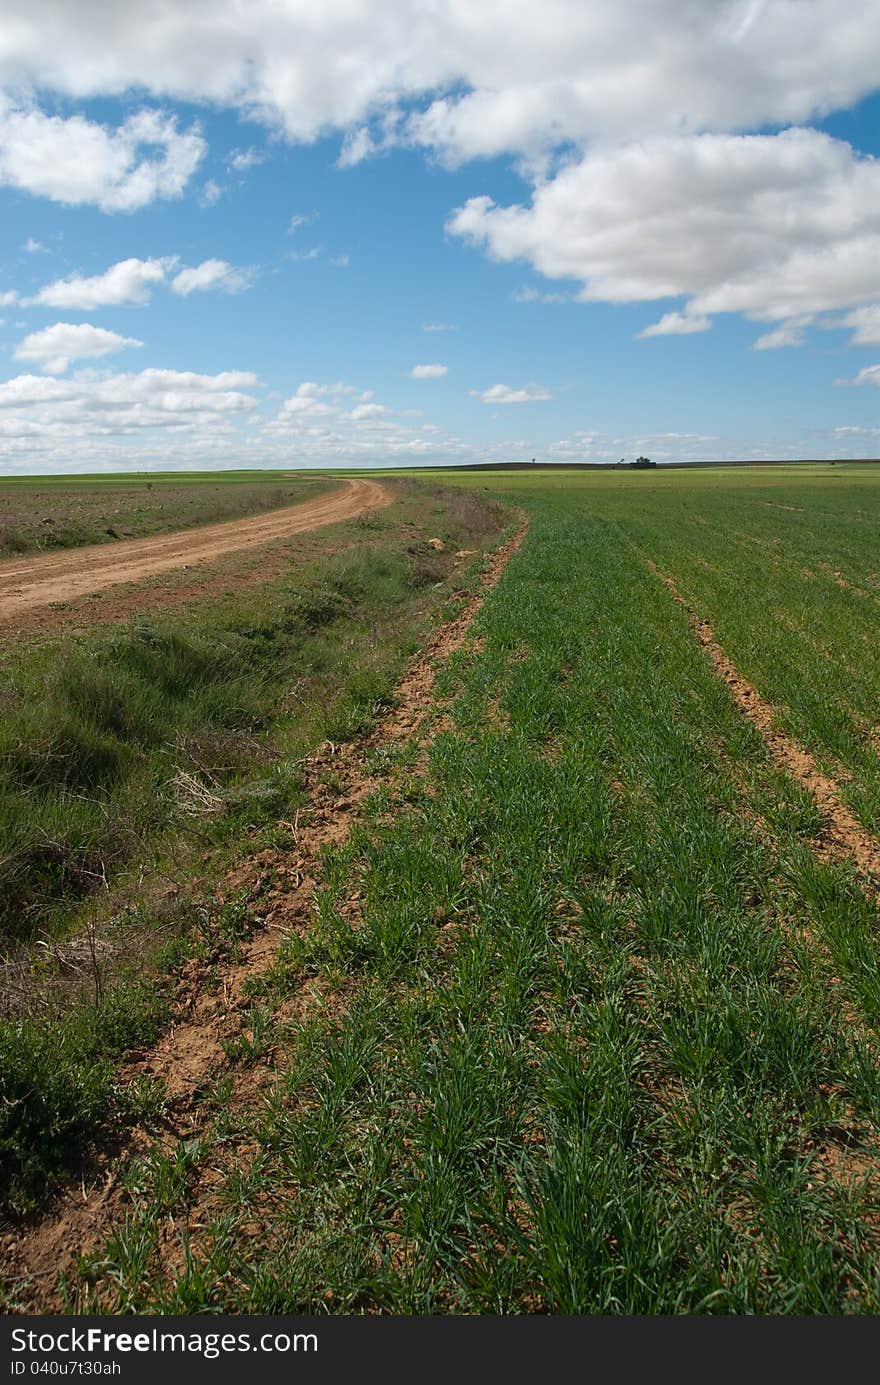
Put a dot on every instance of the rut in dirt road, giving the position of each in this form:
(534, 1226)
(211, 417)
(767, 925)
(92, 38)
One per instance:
(34, 582)
(846, 839)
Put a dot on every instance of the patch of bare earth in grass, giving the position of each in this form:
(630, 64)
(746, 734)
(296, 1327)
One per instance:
(193, 1052)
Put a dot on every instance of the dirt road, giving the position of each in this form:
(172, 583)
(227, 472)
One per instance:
(31, 582)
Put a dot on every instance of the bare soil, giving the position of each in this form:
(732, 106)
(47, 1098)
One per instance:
(26, 584)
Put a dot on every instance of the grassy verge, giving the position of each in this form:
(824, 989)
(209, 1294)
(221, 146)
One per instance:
(596, 1031)
(161, 750)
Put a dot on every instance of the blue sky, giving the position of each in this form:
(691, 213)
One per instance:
(231, 236)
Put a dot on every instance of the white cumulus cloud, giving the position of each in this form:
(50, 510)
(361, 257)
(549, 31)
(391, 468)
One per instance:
(864, 321)
(428, 372)
(81, 162)
(790, 333)
(676, 325)
(311, 399)
(869, 375)
(772, 226)
(211, 274)
(241, 160)
(55, 347)
(303, 404)
(503, 394)
(124, 283)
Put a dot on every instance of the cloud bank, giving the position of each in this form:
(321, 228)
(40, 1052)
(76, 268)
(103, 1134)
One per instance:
(485, 79)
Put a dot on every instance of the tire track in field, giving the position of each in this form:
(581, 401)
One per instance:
(51, 577)
(191, 1053)
(846, 839)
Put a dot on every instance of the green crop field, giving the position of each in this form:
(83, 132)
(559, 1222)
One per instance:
(585, 1019)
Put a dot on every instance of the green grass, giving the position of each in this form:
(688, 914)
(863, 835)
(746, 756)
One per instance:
(599, 1029)
(58, 1085)
(783, 563)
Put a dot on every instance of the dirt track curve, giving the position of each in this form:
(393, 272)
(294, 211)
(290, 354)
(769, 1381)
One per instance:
(25, 584)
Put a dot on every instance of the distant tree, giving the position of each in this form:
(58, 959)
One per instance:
(642, 462)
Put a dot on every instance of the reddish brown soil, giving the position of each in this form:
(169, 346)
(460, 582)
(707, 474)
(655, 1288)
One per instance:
(280, 885)
(846, 838)
(54, 577)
